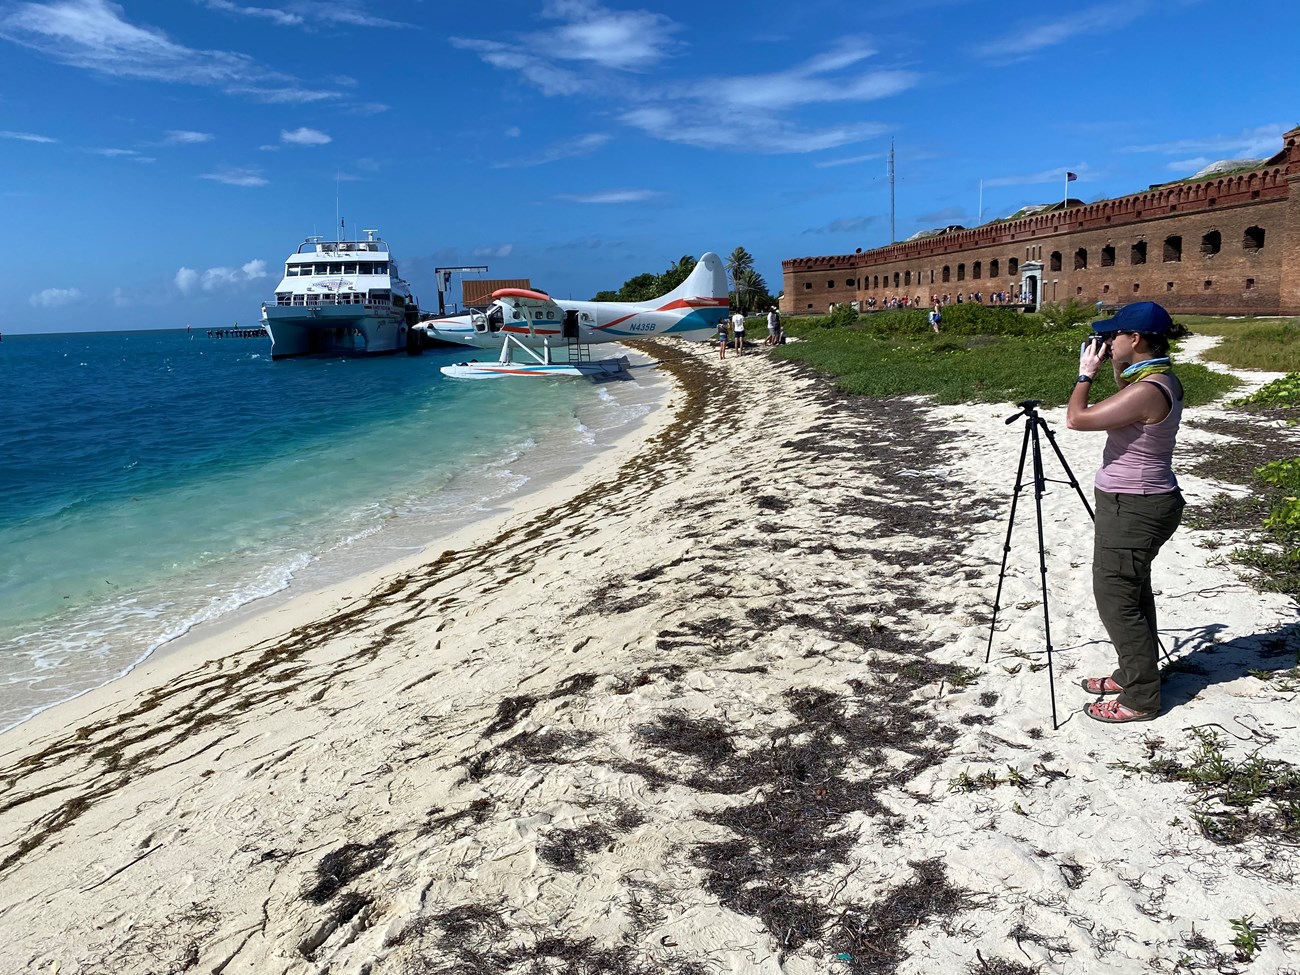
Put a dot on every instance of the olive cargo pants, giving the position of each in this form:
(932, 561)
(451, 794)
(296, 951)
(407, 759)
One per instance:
(1129, 532)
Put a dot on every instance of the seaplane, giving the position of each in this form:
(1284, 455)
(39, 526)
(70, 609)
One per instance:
(537, 335)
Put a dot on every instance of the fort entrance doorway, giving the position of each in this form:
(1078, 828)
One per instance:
(1031, 281)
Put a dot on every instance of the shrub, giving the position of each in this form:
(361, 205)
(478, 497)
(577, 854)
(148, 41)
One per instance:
(1063, 314)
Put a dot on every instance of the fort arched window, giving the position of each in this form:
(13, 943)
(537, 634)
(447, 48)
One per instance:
(1138, 253)
(1013, 266)
(993, 268)
(932, 275)
(1173, 249)
(1054, 262)
(1211, 243)
(830, 284)
(1108, 256)
(1081, 259)
(961, 272)
(895, 279)
(947, 274)
(975, 270)
(1253, 239)
(850, 283)
(907, 277)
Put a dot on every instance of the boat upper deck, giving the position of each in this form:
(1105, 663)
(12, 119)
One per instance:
(313, 246)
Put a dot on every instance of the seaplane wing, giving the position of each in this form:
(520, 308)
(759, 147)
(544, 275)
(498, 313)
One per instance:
(533, 319)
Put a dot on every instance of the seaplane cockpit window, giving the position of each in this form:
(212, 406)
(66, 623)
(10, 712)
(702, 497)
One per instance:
(515, 315)
(496, 320)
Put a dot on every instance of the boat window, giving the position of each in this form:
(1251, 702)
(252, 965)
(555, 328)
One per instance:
(381, 268)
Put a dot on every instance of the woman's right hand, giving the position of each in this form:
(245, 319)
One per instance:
(1091, 355)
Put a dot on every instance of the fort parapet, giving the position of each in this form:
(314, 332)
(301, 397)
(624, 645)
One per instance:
(1224, 244)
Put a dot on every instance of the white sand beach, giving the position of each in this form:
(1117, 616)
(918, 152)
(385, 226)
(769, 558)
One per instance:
(716, 703)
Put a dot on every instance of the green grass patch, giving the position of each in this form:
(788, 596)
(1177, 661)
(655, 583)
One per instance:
(888, 355)
(1237, 798)
(1269, 344)
(1280, 393)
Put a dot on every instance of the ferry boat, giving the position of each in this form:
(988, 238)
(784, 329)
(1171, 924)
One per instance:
(340, 298)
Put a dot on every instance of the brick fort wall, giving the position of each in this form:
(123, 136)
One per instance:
(1222, 245)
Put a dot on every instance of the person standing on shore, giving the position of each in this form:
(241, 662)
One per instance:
(1139, 505)
(722, 337)
(773, 326)
(738, 327)
(935, 318)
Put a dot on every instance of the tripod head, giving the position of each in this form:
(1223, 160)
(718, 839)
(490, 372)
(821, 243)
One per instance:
(1028, 408)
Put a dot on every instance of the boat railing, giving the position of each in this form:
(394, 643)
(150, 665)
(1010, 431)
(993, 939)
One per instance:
(331, 298)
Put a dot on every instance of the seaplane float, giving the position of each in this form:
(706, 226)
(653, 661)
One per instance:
(537, 335)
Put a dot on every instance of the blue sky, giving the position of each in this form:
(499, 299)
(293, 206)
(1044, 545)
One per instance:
(160, 158)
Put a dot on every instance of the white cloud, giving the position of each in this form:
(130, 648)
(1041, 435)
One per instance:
(26, 137)
(307, 14)
(752, 134)
(546, 77)
(513, 132)
(237, 177)
(619, 39)
(94, 34)
(1264, 140)
(282, 17)
(1093, 21)
(122, 154)
(565, 149)
(849, 161)
(611, 196)
(504, 250)
(843, 225)
(748, 112)
(284, 95)
(55, 297)
(187, 278)
(304, 137)
(184, 137)
(1056, 175)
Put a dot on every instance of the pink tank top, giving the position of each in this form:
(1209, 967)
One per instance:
(1138, 458)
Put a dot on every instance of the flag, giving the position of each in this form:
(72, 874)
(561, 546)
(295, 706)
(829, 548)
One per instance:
(1071, 177)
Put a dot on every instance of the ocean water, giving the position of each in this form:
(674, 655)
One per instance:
(153, 481)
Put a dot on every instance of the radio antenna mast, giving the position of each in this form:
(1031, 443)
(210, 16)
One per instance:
(892, 236)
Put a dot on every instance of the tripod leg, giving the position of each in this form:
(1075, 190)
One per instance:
(1042, 567)
(1006, 544)
(1074, 483)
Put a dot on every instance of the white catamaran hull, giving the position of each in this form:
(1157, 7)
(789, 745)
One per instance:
(298, 330)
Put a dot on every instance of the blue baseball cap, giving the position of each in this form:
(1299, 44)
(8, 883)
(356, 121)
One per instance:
(1145, 317)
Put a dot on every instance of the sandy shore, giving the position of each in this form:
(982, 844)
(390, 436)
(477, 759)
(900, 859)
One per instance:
(718, 704)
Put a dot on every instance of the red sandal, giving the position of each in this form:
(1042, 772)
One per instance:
(1112, 712)
(1100, 685)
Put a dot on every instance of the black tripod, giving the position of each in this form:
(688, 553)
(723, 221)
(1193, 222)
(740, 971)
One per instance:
(1034, 423)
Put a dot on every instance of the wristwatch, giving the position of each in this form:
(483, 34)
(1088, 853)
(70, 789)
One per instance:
(1083, 379)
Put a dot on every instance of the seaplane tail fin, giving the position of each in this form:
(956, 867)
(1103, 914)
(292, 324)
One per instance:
(708, 280)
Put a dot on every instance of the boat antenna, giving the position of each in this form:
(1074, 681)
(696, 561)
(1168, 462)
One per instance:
(337, 219)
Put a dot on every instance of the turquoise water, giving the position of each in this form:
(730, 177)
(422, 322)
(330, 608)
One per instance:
(151, 481)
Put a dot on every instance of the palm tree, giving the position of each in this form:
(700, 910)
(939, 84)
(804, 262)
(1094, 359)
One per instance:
(738, 263)
(751, 292)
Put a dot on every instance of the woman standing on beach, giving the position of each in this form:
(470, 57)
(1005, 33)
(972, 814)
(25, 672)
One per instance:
(1139, 505)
